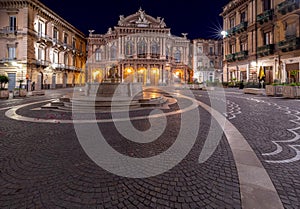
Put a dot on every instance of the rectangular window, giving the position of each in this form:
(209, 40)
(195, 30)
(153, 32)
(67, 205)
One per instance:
(243, 17)
(41, 28)
(291, 30)
(232, 48)
(267, 38)
(12, 23)
(74, 43)
(211, 63)
(232, 23)
(40, 54)
(199, 50)
(267, 5)
(11, 53)
(55, 57)
(66, 38)
(55, 34)
(211, 50)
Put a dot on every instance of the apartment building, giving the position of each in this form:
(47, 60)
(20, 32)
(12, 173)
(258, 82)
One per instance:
(40, 48)
(261, 40)
(207, 60)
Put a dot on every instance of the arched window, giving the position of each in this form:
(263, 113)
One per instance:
(154, 49)
(98, 55)
(142, 49)
(177, 56)
(113, 52)
(129, 48)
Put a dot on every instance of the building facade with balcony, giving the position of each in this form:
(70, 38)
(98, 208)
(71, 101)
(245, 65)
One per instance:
(207, 60)
(139, 49)
(39, 46)
(261, 35)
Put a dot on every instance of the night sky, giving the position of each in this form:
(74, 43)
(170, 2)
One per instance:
(200, 19)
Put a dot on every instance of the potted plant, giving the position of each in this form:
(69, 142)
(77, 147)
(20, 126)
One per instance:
(274, 89)
(4, 93)
(291, 90)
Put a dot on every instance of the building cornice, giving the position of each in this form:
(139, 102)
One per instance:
(41, 10)
(232, 6)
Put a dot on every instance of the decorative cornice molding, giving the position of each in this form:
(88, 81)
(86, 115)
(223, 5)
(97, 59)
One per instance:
(42, 10)
(233, 5)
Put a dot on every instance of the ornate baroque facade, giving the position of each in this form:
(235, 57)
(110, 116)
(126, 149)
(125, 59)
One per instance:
(262, 34)
(39, 46)
(140, 49)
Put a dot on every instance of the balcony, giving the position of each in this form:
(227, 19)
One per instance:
(142, 55)
(8, 60)
(265, 50)
(41, 37)
(9, 30)
(42, 63)
(231, 31)
(155, 56)
(287, 6)
(241, 27)
(290, 44)
(265, 16)
(230, 57)
(241, 55)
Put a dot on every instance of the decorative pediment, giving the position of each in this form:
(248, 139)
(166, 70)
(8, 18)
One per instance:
(141, 19)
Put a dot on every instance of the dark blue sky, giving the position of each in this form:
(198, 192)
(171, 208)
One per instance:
(200, 19)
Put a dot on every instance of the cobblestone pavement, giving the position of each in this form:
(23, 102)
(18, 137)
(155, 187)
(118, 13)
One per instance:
(264, 120)
(44, 166)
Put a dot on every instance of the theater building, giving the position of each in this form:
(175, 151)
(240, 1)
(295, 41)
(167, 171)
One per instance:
(140, 48)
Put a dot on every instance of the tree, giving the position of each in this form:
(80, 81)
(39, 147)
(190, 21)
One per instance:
(3, 80)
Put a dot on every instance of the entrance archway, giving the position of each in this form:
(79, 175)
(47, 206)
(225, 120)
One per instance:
(142, 75)
(154, 76)
(129, 74)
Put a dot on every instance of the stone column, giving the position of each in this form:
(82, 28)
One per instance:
(148, 75)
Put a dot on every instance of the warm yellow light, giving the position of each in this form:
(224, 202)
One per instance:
(129, 70)
(177, 73)
(95, 74)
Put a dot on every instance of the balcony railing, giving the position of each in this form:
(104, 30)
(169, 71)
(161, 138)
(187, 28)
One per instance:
(231, 31)
(241, 27)
(241, 55)
(43, 37)
(156, 56)
(9, 30)
(265, 50)
(230, 57)
(5, 60)
(265, 16)
(43, 63)
(142, 55)
(237, 29)
(290, 44)
(288, 6)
